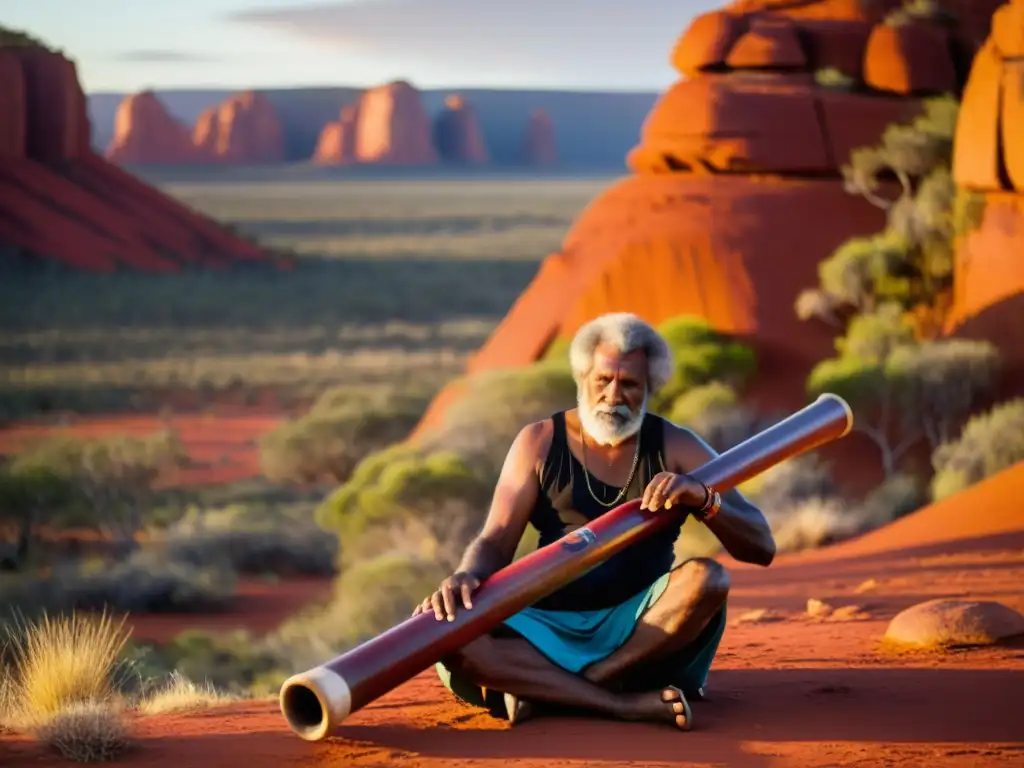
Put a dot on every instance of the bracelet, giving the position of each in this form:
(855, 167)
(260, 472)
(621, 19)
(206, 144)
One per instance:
(710, 507)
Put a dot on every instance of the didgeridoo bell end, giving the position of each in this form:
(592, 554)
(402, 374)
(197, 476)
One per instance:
(315, 701)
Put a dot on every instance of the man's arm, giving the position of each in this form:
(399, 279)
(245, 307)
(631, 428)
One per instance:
(739, 525)
(511, 506)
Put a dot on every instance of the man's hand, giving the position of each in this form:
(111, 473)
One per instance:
(667, 490)
(458, 587)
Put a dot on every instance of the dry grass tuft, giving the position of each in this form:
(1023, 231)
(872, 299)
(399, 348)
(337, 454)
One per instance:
(59, 662)
(182, 695)
(87, 731)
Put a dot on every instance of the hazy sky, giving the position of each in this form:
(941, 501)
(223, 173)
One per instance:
(122, 45)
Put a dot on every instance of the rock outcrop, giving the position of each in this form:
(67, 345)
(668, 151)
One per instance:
(146, 134)
(988, 165)
(737, 195)
(394, 127)
(539, 143)
(62, 202)
(243, 130)
(337, 142)
(457, 134)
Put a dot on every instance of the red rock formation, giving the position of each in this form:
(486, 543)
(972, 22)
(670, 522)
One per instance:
(243, 130)
(337, 142)
(738, 196)
(539, 144)
(457, 134)
(394, 128)
(988, 161)
(146, 134)
(62, 202)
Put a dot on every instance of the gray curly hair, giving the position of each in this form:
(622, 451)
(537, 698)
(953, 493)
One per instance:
(626, 333)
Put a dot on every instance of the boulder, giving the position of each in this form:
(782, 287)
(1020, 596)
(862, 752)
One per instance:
(337, 142)
(539, 143)
(457, 134)
(976, 145)
(243, 130)
(394, 127)
(146, 134)
(769, 43)
(944, 623)
(909, 59)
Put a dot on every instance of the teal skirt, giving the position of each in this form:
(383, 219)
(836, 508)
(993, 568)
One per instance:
(573, 640)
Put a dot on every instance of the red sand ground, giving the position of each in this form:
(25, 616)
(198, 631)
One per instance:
(223, 445)
(794, 691)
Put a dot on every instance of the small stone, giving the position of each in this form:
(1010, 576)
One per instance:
(759, 616)
(818, 609)
(866, 586)
(946, 623)
(849, 613)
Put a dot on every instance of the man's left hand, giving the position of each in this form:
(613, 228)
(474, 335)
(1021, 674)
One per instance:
(668, 489)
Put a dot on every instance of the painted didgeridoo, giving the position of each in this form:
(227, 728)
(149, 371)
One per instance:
(315, 701)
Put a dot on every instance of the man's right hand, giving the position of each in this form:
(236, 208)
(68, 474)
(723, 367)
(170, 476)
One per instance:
(459, 587)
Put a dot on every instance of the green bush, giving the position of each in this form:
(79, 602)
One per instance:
(715, 413)
(830, 77)
(990, 442)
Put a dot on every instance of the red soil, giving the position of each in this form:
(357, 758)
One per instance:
(223, 446)
(793, 691)
(258, 607)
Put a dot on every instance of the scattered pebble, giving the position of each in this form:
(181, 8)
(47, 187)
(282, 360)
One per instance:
(759, 616)
(849, 613)
(949, 623)
(866, 586)
(818, 609)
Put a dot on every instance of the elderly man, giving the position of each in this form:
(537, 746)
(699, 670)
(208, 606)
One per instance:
(634, 637)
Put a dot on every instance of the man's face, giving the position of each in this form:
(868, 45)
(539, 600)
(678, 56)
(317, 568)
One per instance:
(613, 395)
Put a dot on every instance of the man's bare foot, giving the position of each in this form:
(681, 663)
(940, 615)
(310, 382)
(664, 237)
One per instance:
(665, 706)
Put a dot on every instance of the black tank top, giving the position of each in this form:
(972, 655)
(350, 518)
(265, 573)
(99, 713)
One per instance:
(565, 503)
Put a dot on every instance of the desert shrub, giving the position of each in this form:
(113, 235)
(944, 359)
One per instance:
(338, 432)
(702, 355)
(812, 523)
(88, 732)
(896, 497)
(830, 77)
(146, 581)
(61, 661)
(32, 496)
(496, 404)
(714, 412)
(252, 542)
(989, 443)
(791, 482)
(900, 389)
(426, 504)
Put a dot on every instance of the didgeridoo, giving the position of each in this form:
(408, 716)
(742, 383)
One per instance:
(315, 701)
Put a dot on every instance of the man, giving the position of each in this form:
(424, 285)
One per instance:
(634, 637)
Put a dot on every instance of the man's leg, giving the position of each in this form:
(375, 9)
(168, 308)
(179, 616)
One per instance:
(515, 667)
(695, 593)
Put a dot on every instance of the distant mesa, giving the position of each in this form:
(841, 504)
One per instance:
(393, 127)
(539, 141)
(243, 130)
(732, 162)
(457, 134)
(337, 142)
(988, 164)
(64, 203)
(145, 133)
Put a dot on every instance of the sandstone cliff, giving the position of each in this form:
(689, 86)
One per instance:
(60, 201)
(393, 127)
(737, 194)
(337, 142)
(539, 147)
(145, 133)
(988, 165)
(243, 130)
(457, 135)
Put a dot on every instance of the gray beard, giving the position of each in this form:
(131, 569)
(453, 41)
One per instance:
(609, 426)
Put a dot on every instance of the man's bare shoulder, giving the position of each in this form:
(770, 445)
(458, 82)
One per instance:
(685, 447)
(535, 438)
